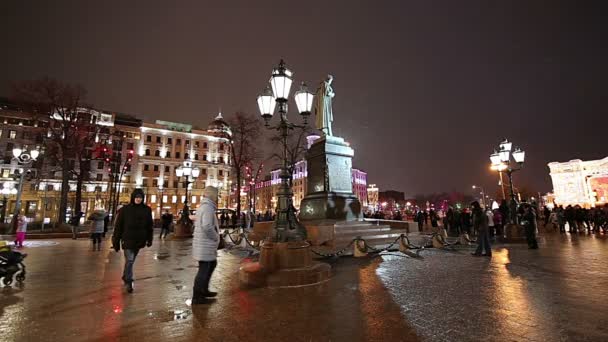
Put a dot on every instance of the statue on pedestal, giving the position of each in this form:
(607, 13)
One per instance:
(323, 111)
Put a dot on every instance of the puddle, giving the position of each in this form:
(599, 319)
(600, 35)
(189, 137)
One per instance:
(161, 256)
(168, 316)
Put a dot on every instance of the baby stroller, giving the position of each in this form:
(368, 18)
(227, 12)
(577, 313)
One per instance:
(11, 264)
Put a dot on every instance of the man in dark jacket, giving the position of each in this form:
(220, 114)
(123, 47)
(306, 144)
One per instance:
(529, 223)
(133, 231)
(166, 222)
(480, 224)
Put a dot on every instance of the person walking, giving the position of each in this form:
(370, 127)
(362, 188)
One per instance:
(134, 230)
(529, 223)
(75, 222)
(165, 224)
(420, 220)
(491, 223)
(97, 218)
(480, 224)
(21, 230)
(561, 220)
(205, 242)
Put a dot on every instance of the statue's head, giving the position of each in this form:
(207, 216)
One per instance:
(329, 78)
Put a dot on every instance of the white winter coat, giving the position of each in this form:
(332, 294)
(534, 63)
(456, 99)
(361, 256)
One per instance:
(206, 235)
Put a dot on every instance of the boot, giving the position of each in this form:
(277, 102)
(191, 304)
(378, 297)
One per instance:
(94, 246)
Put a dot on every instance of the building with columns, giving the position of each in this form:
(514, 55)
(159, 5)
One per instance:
(157, 149)
(580, 182)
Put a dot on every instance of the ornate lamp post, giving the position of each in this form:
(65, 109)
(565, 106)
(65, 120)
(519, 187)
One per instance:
(286, 226)
(502, 162)
(24, 159)
(190, 175)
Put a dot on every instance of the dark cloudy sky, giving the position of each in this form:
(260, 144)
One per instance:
(425, 89)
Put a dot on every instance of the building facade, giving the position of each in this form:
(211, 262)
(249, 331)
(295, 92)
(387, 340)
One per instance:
(580, 182)
(155, 149)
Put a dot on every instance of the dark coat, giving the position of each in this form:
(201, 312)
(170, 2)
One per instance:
(134, 226)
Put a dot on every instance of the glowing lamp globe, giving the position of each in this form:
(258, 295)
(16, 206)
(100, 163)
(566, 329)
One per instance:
(506, 145)
(519, 155)
(304, 99)
(266, 103)
(17, 152)
(280, 81)
(495, 158)
(196, 172)
(179, 171)
(34, 154)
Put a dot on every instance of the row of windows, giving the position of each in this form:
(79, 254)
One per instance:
(178, 155)
(178, 142)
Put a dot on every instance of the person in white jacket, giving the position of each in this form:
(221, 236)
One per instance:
(205, 241)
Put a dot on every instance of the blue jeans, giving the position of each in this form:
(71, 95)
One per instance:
(130, 255)
(483, 242)
(205, 270)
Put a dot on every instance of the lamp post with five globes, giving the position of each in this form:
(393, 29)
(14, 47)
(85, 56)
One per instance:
(502, 162)
(286, 226)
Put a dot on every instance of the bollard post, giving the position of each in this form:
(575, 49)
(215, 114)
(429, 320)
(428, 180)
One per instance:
(437, 241)
(403, 244)
(359, 248)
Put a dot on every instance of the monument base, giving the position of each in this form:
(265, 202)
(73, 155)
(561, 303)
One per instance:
(330, 206)
(284, 264)
(514, 233)
(183, 231)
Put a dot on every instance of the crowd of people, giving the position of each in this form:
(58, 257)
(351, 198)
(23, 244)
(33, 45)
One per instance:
(577, 218)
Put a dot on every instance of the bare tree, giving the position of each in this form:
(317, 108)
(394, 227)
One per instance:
(296, 148)
(243, 146)
(70, 127)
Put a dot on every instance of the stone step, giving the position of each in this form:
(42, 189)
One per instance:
(370, 239)
(362, 230)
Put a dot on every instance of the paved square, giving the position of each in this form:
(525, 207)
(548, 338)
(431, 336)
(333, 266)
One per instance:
(556, 293)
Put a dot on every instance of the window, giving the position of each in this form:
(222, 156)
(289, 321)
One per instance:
(195, 143)
(147, 151)
(167, 168)
(9, 149)
(157, 153)
(158, 140)
(169, 141)
(99, 165)
(168, 154)
(204, 171)
(128, 167)
(155, 167)
(148, 138)
(222, 160)
(186, 155)
(153, 199)
(178, 142)
(177, 155)
(144, 183)
(173, 199)
(204, 145)
(204, 157)
(221, 146)
(187, 142)
(99, 177)
(221, 173)
(175, 183)
(130, 146)
(196, 156)
(154, 182)
(146, 167)
(6, 173)
(165, 198)
(12, 134)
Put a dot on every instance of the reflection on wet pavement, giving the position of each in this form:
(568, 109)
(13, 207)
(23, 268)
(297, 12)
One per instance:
(555, 293)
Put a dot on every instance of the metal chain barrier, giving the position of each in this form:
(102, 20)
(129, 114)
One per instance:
(334, 254)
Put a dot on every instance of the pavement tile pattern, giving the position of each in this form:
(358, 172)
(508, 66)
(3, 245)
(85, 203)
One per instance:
(556, 293)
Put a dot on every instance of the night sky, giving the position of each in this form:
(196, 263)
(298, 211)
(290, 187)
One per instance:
(424, 89)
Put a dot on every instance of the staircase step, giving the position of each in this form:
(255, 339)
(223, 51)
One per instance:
(349, 231)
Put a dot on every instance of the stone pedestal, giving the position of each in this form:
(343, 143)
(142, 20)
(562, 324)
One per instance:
(284, 264)
(329, 183)
(514, 233)
(183, 231)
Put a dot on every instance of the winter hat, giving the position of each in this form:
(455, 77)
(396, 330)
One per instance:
(211, 193)
(137, 193)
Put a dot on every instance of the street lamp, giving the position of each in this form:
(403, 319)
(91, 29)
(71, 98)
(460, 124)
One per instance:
(190, 175)
(25, 159)
(502, 162)
(483, 194)
(286, 226)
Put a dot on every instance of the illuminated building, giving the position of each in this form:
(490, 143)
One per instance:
(580, 182)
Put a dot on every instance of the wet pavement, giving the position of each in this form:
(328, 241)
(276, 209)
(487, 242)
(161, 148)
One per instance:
(556, 293)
